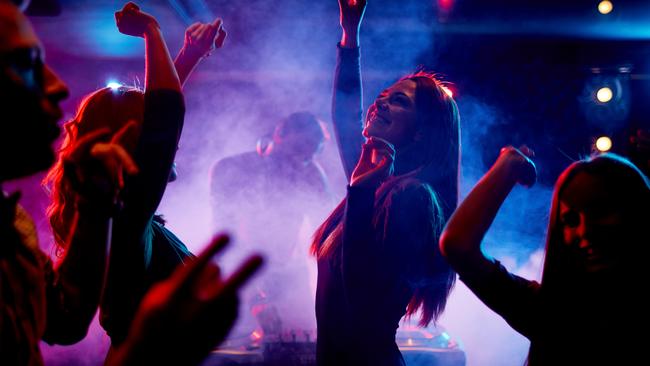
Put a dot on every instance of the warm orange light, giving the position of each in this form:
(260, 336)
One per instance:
(603, 144)
(605, 7)
(256, 335)
(447, 91)
(604, 94)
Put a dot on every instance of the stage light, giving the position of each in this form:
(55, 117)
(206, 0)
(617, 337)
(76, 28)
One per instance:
(257, 335)
(446, 5)
(603, 144)
(604, 94)
(113, 85)
(605, 100)
(447, 91)
(605, 7)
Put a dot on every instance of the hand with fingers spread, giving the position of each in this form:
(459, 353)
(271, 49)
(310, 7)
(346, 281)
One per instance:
(518, 160)
(202, 38)
(134, 22)
(351, 12)
(96, 167)
(375, 164)
(181, 319)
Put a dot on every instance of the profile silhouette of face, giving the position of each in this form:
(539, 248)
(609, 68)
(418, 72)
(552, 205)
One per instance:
(30, 94)
(393, 115)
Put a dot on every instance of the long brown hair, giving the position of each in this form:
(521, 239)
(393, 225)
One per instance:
(434, 162)
(105, 108)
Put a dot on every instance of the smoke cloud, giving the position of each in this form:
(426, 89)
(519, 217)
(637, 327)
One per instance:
(278, 59)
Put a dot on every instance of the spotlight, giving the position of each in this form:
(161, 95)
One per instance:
(605, 7)
(446, 5)
(604, 94)
(113, 85)
(605, 100)
(603, 144)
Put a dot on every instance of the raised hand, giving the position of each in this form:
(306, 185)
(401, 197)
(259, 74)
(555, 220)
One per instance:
(351, 13)
(96, 167)
(181, 319)
(375, 164)
(202, 38)
(134, 22)
(519, 161)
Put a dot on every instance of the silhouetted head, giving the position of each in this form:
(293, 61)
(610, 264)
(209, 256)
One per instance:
(30, 94)
(598, 219)
(413, 113)
(299, 136)
(110, 108)
(422, 121)
(105, 108)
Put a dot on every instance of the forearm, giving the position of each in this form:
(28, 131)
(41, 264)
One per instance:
(346, 107)
(126, 279)
(85, 259)
(160, 72)
(350, 38)
(75, 294)
(185, 62)
(462, 237)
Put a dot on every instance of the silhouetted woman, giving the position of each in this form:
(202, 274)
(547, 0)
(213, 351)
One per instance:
(143, 251)
(377, 253)
(595, 267)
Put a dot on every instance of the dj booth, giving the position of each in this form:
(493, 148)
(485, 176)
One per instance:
(298, 348)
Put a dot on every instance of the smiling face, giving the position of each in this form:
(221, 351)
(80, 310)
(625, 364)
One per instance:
(592, 221)
(393, 116)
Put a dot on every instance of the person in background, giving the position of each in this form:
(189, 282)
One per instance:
(268, 196)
